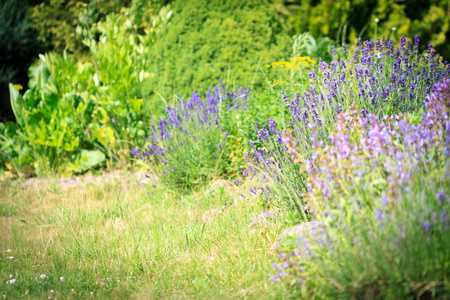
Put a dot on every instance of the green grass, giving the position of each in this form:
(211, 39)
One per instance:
(116, 241)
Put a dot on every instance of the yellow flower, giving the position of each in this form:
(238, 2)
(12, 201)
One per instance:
(18, 87)
(276, 82)
(81, 4)
(123, 10)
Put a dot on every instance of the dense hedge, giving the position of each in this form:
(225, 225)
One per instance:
(211, 39)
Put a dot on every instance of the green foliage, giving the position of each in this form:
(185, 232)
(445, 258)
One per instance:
(211, 40)
(73, 108)
(344, 20)
(14, 153)
(56, 21)
(17, 49)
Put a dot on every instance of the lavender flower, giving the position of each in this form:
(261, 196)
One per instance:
(427, 226)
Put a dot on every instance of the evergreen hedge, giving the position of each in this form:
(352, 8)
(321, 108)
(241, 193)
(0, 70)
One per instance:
(210, 40)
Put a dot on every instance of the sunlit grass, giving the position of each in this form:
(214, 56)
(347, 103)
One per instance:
(112, 240)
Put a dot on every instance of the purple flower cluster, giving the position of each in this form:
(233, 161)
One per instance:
(377, 78)
(366, 147)
(190, 123)
(378, 185)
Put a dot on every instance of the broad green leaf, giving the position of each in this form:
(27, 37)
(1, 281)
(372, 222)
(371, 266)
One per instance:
(91, 158)
(136, 105)
(16, 104)
(105, 136)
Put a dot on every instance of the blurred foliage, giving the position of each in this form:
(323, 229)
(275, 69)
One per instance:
(345, 20)
(57, 21)
(211, 40)
(18, 48)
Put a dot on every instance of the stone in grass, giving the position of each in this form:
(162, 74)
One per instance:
(298, 231)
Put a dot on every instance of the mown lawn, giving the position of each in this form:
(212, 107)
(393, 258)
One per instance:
(113, 240)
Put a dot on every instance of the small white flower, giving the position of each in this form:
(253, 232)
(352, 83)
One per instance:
(9, 257)
(394, 28)
(9, 250)
(212, 258)
(12, 281)
(52, 291)
(72, 290)
(61, 278)
(92, 293)
(377, 20)
(10, 275)
(118, 281)
(42, 276)
(49, 297)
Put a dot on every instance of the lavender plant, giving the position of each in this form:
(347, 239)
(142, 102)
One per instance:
(380, 193)
(378, 78)
(189, 147)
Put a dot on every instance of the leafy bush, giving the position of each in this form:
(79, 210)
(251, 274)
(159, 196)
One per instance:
(380, 192)
(209, 40)
(190, 147)
(74, 108)
(377, 78)
(15, 156)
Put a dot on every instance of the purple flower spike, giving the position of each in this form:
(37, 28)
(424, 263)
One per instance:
(251, 143)
(274, 278)
(443, 216)
(378, 213)
(272, 125)
(427, 226)
(312, 75)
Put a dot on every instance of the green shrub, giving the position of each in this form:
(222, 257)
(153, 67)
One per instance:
(211, 40)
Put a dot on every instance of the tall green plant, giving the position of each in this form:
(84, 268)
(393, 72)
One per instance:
(76, 114)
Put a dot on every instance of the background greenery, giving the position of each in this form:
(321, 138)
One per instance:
(344, 20)
(124, 61)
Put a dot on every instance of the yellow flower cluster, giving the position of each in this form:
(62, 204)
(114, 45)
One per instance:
(277, 82)
(296, 63)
